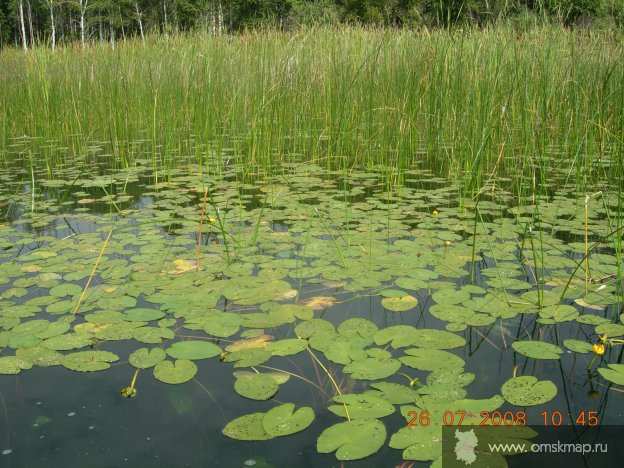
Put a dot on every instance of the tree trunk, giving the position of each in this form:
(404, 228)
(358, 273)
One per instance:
(22, 25)
(52, 26)
(83, 12)
(30, 23)
(112, 34)
(165, 17)
(139, 19)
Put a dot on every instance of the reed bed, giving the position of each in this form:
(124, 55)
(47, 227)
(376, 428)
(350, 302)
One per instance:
(467, 103)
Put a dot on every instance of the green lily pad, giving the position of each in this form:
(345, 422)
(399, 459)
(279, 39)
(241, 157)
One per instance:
(287, 347)
(280, 377)
(612, 330)
(528, 391)
(394, 393)
(372, 368)
(399, 336)
(89, 361)
(144, 358)
(352, 440)
(420, 443)
(578, 346)
(256, 387)
(361, 406)
(65, 289)
(537, 349)
(357, 327)
(40, 356)
(248, 427)
(182, 371)
(615, 373)
(193, 350)
(559, 313)
(13, 365)
(437, 339)
(431, 359)
(283, 420)
(68, 341)
(143, 315)
(399, 304)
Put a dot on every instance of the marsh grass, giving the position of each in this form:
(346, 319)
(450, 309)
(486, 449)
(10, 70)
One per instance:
(466, 102)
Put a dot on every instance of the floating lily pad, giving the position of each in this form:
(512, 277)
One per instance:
(193, 350)
(394, 393)
(437, 339)
(89, 361)
(144, 358)
(537, 349)
(399, 336)
(40, 356)
(615, 373)
(13, 365)
(287, 347)
(399, 304)
(68, 341)
(283, 420)
(431, 359)
(372, 368)
(577, 346)
(248, 427)
(559, 313)
(361, 406)
(143, 315)
(612, 330)
(66, 289)
(182, 371)
(528, 391)
(256, 387)
(352, 440)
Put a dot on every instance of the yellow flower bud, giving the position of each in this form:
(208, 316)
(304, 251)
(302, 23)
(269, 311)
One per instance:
(599, 349)
(436, 212)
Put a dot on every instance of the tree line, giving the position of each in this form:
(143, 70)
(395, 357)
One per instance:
(26, 23)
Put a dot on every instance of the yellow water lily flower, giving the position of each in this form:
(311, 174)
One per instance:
(436, 212)
(599, 349)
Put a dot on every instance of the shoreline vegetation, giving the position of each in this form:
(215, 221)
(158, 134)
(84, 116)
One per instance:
(28, 23)
(470, 103)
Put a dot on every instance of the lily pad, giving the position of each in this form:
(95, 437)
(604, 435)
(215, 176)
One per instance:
(144, 358)
(528, 391)
(361, 406)
(431, 359)
(248, 427)
(89, 361)
(372, 368)
(193, 350)
(537, 349)
(577, 346)
(352, 440)
(13, 365)
(615, 373)
(143, 315)
(394, 393)
(256, 387)
(283, 420)
(182, 371)
(399, 304)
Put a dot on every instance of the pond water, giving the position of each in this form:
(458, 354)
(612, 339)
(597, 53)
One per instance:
(305, 285)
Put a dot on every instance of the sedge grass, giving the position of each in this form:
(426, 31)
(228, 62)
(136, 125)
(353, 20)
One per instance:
(460, 101)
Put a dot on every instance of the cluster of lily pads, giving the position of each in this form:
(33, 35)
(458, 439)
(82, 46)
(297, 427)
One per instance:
(64, 291)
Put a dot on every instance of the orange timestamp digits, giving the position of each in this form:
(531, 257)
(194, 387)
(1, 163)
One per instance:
(584, 418)
(456, 418)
